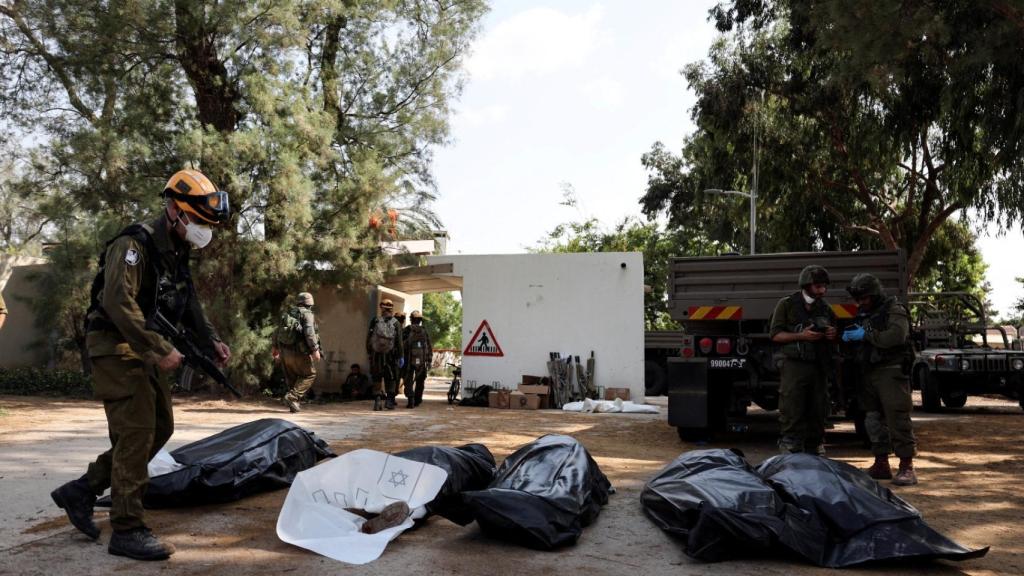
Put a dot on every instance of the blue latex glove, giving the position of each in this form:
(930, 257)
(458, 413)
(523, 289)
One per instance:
(401, 361)
(855, 334)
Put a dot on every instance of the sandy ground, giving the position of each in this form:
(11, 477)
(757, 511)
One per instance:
(971, 467)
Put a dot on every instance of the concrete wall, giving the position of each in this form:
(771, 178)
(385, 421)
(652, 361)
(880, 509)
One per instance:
(19, 332)
(344, 319)
(541, 303)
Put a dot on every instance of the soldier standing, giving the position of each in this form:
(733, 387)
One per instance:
(384, 345)
(805, 325)
(144, 270)
(884, 357)
(297, 343)
(418, 355)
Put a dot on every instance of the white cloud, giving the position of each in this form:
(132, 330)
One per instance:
(536, 42)
(604, 93)
(475, 117)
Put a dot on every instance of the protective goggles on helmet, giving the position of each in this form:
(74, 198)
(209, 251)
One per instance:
(213, 208)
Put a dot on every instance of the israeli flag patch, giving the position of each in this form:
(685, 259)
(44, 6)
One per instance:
(131, 257)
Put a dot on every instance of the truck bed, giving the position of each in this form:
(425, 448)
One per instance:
(749, 287)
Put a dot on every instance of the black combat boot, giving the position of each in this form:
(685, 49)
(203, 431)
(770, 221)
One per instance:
(140, 544)
(411, 403)
(377, 403)
(390, 403)
(77, 500)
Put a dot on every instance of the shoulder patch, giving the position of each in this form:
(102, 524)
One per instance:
(131, 257)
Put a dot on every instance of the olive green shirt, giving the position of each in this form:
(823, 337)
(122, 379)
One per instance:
(310, 329)
(123, 272)
(890, 338)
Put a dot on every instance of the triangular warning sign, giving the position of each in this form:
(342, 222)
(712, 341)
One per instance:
(483, 343)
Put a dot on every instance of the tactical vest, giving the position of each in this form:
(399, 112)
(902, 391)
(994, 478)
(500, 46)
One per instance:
(808, 351)
(868, 354)
(168, 291)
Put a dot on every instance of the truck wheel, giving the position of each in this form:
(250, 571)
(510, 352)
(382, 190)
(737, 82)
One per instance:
(693, 434)
(654, 378)
(931, 401)
(955, 401)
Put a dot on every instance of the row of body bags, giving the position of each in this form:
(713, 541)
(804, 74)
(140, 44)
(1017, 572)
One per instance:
(545, 493)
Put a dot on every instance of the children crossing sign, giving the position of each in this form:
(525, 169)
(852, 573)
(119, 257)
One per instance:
(483, 342)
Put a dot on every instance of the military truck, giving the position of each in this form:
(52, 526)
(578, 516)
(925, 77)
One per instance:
(950, 362)
(723, 361)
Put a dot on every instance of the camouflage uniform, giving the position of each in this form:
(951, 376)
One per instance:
(803, 390)
(416, 340)
(297, 359)
(136, 397)
(886, 393)
(384, 366)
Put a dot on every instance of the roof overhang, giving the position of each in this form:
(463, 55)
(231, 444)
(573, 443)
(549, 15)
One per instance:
(424, 279)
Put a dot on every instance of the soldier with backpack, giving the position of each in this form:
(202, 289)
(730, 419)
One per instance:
(297, 344)
(418, 355)
(384, 345)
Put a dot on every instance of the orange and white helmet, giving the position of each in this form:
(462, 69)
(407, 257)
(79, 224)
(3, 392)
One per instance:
(194, 193)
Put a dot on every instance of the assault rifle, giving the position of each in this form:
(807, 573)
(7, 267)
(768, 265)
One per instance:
(193, 356)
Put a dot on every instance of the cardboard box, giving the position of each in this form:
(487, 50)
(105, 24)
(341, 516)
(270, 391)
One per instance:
(498, 399)
(531, 380)
(613, 393)
(535, 389)
(520, 401)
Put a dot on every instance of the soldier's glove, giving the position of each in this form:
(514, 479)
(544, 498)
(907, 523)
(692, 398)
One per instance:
(854, 334)
(401, 362)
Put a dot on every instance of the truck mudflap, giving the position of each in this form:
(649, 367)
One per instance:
(696, 411)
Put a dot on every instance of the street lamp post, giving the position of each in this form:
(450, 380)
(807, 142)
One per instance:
(753, 203)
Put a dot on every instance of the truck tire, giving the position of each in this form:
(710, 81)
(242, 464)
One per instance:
(654, 378)
(931, 399)
(954, 401)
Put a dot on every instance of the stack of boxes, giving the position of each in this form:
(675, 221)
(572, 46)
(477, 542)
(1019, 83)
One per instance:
(532, 394)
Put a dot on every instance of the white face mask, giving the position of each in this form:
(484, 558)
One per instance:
(807, 297)
(197, 235)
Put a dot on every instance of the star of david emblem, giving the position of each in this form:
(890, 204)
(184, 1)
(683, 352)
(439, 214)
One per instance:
(398, 478)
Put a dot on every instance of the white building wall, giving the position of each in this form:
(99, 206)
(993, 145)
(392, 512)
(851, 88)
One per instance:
(541, 303)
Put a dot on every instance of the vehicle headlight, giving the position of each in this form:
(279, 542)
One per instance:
(965, 364)
(1018, 364)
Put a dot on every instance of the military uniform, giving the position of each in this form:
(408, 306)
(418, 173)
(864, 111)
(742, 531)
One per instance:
(418, 353)
(297, 359)
(384, 366)
(138, 276)
(886, 399)
(803, 391)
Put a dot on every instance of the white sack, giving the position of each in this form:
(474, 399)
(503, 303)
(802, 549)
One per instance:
(616, 405)
(314, 515)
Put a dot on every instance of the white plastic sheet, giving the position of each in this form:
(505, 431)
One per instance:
(163, 463)
(610, 406)
(314, 515)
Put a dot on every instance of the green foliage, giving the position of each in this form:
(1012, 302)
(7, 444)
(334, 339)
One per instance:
(442, 315)
(311, 114)
(39, 382)
(874, 122)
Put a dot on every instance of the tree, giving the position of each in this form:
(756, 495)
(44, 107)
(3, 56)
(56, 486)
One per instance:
(866, 140)
(312, 114)
(443, 316)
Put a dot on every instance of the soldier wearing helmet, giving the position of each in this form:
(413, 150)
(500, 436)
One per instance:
(143, 270)
(884, 357)
(418, 355)
(297, 344)
(804, 324)
(384, 346)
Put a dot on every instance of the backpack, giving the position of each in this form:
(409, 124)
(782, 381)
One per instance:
(289, 331)
(417, 345)
(382, 336)
(479, 397)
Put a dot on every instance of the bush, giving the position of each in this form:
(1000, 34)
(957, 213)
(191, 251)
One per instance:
(42, 382)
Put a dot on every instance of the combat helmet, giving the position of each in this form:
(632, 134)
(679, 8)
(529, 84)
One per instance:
(814, 274)
(865, 285)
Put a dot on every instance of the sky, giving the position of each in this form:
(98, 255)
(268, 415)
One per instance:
(575, 92)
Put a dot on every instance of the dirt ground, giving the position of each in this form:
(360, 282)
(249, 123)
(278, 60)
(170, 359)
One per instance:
(970, 465)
